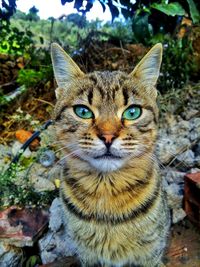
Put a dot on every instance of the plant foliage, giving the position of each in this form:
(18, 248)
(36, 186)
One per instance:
(12, 40)
(128, 8)
(178, 63)
(23, 193)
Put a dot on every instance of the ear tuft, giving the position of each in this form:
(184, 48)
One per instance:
(65, 69)
(148, 69)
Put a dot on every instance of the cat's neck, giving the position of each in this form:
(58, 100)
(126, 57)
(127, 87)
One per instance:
(137, 169)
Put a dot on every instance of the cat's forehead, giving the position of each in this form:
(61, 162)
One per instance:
(106, 85)
(107, 77)
(110, 87)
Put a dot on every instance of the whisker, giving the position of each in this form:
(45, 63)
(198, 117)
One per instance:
(66, 156)
(67, 146)
(59, 162)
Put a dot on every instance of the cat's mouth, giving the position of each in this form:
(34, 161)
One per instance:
(107, 155)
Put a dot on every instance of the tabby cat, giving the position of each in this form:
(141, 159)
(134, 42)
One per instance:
(111, 192)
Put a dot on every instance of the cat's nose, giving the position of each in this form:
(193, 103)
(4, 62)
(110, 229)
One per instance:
(107, 139)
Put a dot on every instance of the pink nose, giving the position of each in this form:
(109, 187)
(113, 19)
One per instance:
(107, 138)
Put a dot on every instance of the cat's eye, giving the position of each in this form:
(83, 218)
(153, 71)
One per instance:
(132, 113)
(83, 112)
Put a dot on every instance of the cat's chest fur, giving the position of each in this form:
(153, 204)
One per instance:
(113, 237)
(119, 196)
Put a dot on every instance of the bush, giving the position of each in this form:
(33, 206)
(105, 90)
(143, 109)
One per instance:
(178, 63)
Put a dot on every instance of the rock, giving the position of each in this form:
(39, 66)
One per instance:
(170, 120)
(174, 196)
(57, 243)
(175, 201)
(21, 227)
(56, 172)
(196, 149)
(5, 151)
(47, 158)
(169, 146)
(55, 221)
(48, 137)
(10, 255)
(16, 148)
(194, 170)
(177, 138)
(164, 182)
(38, 175)
(38, 169)
(181, 128)
(54, 246)
(194, 129)
(186, 159)
(178, 215)
(190, 113)
(197, 161)
(174, 176)
(41, 184)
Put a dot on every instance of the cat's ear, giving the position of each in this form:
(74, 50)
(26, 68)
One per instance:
(148, 69)
(65, 69)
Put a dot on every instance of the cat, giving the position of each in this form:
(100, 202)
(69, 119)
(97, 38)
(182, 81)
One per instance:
(112, 196)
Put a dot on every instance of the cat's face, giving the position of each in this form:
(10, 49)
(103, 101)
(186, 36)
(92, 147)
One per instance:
(106, 118)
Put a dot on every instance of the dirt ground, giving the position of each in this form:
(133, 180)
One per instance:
(184, 246)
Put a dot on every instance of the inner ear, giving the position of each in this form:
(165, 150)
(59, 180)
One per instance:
(65, 69)
(148, 69)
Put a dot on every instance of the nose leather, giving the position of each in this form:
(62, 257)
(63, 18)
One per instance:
(108, 138)
(107, 131)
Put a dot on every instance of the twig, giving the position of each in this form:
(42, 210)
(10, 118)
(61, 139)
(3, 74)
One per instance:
(117, 49)
(44, 101)
(121, 46)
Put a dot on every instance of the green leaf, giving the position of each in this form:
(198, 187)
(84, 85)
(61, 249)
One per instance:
(29, 33)
(195, 15)
(126, 13)
(113, 9)
(142, 29)
(172, 9)
(41, 40)
(32, 261)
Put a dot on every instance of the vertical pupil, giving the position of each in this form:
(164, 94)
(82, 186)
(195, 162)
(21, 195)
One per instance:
(132, 111)
(84, 111)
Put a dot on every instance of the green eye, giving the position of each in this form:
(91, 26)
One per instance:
(132, 113)
(83, 112)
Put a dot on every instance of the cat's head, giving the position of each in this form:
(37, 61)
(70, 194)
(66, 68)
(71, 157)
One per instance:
(106, 119)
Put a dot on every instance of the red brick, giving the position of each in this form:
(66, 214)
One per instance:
(192, 197)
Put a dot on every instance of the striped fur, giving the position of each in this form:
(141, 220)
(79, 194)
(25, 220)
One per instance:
(115, 208)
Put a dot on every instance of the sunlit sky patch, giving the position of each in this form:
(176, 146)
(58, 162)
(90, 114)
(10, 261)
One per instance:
(54, 8)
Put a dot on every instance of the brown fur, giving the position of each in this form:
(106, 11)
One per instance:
(117, 215)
